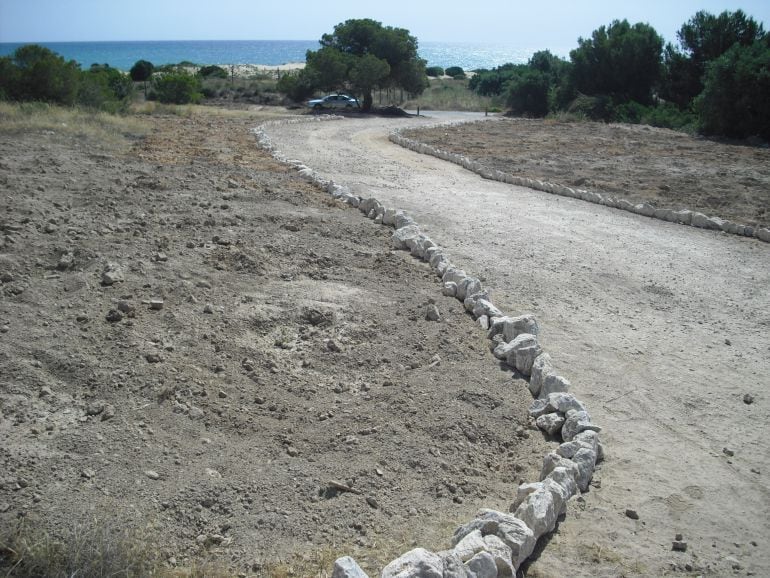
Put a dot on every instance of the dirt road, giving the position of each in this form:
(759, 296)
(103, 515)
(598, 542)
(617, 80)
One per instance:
(662, 330)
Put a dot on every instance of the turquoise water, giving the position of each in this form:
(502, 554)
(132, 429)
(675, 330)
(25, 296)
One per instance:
(123, 55)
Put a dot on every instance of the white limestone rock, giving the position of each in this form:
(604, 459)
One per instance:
(402, 235)
(552, 461)
(564, 477)
(389, 217)
(483, 565)
(484, 306)
(454, 567)
(512, 327)
(501, 554)
(511, 530)
(347, 567)
(470, 545)
(523, 351)
(402, 220)
(542, 367)
(454, 275)
(449, 289)
(468, 286)
(539, 511)
(417, 563)
(554, 383)
(550, 423)
(563, 402)
(576, 422)
(586, 462)
(702, 221)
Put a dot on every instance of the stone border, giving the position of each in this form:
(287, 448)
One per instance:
(493, 544)
(683, 217)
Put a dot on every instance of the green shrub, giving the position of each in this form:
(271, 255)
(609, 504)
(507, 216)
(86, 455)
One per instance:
(528, 94)
(177, 88)
(213, 72)
(141, 71)
(455, 72)
(36, 73)
(105, 88)
(434, 71)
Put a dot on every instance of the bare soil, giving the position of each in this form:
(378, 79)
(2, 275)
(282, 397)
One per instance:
(639, 163)
(662, 330)
(285, 403)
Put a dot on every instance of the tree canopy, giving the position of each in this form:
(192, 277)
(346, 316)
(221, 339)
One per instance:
(621, 61)
(362, 55)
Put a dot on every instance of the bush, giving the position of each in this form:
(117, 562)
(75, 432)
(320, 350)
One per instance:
(297, 86)
(177, 88)
(105, 88)
(528, 94)
(455, 72)
(36, 73)
(213, 72)
(434, 71)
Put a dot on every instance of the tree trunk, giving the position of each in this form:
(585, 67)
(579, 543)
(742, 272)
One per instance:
(367, 101)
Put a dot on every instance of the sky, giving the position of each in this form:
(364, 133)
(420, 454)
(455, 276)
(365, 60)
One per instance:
(537, 24)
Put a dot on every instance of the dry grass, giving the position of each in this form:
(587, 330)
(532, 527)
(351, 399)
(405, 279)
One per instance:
(86, 124)
(450, 94)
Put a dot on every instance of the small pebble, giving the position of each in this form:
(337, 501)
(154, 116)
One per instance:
(152, 474)
(633, 514)
(748, 399)
(728, 452)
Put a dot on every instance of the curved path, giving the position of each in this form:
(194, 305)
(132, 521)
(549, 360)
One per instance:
(661, 328)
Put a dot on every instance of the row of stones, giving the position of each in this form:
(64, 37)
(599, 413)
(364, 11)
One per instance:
(684, 217)
(494, 544)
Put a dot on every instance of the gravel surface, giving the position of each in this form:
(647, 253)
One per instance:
(662, 330)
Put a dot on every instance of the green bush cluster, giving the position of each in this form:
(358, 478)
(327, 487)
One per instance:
(715, 82)
(35, 73)
(434, 71)
(177, 87)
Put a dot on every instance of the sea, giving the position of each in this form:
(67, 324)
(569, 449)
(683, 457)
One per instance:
(123, 55)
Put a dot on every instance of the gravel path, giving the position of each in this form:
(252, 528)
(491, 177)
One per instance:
(661, 328)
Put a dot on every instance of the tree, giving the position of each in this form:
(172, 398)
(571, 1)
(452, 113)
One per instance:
(703, 39)
(620, 61)
(362, 55)
(142, 71)
(734, 101)
(37, 73)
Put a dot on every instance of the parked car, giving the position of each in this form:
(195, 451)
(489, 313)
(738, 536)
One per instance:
(333, 101)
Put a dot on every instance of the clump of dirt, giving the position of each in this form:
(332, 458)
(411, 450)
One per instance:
(639, 163)
(195, 340)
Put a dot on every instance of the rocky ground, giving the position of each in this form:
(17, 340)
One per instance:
(638, 163)
(197, 344)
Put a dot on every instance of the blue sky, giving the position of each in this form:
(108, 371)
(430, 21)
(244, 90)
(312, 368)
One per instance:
(531, 23)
